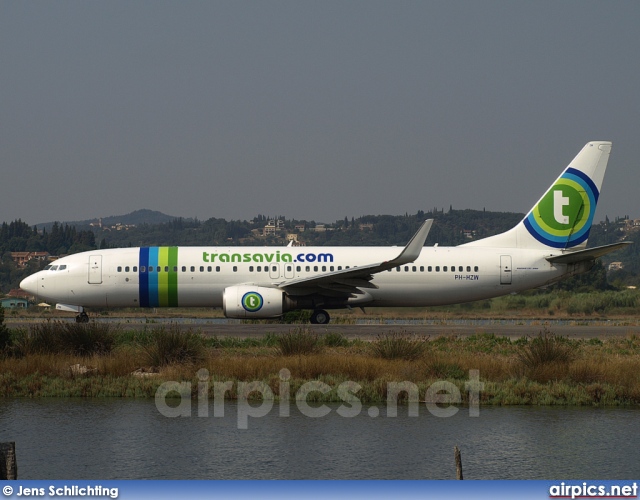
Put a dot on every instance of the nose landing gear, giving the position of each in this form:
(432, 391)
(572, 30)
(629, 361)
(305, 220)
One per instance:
(83, 317)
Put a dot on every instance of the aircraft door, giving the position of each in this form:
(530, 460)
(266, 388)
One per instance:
(274, 271)
(95, 269)
(505, 269)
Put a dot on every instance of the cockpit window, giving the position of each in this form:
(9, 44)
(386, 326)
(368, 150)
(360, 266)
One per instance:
(46, 268)
(62, 267)
(53, 268)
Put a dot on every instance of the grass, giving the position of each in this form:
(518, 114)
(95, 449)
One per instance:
(546, 369)
(398, 345)
(298, 341)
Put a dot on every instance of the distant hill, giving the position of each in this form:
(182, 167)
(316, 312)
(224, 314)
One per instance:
(137, 217)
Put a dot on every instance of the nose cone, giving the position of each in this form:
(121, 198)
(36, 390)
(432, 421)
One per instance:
(30, 284)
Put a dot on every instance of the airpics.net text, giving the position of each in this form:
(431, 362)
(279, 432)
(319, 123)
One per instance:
(174, 399)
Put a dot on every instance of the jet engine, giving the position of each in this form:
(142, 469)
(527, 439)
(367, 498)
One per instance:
(246, 301)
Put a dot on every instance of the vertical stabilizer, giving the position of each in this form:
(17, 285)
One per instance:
(562, 218)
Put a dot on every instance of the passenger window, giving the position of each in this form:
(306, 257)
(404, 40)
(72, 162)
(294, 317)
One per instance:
(135, 269)
(209, 269)
(324, 268)
(308, 268)
(217, 269)
(437, 269)
(289, 268)
(166, 269)
(331, 268)
(175, 269)
(421, 269)
(119, 269)
(444, 269)
(274, 268)
(298, 268)
(193, 268)
(259, 269)
(315, 268)
(126, 269)
(184, 269)
(235, 269)
(250, 269)
(339, 268)
(460, 268)
(143, 269)
(475, 269)
(468, 269)
(414, 269)
(201, 269)
(398, 269)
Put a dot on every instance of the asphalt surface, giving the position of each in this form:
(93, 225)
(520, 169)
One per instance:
(510, 328)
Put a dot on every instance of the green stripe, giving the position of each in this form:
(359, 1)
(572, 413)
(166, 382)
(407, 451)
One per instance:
(173, 277)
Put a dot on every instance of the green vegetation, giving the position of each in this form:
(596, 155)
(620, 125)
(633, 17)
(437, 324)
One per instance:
(168, 346)
(298, 341)
(543, 370)
(5, 336)
(398, 345)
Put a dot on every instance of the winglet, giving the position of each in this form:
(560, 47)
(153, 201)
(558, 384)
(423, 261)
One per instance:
(412, 251)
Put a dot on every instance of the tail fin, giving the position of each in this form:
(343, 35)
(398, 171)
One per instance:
(562, 218)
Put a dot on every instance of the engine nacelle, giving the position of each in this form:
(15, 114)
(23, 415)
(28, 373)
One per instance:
(246, 302)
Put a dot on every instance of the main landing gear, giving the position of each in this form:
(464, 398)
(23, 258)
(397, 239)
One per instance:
(320, 317)
(83, 317)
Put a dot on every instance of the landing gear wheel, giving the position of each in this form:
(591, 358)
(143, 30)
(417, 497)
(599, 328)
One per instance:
(83, 317)
(320, 317)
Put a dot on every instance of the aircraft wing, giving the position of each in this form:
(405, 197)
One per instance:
(587, 254)
(349, 281)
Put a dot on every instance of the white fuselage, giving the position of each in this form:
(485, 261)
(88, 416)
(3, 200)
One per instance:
(198, 276)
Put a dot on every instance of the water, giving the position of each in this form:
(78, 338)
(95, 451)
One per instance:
(130, 439)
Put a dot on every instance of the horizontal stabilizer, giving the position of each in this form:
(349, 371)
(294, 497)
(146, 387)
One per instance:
(588, 254)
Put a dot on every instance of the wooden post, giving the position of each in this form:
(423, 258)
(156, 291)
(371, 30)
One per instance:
(8, 465)
(456, 454)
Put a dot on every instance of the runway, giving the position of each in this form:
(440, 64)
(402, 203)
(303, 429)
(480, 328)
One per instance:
(463, 328)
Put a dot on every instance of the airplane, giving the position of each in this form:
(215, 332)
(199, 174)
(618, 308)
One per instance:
(265, 282)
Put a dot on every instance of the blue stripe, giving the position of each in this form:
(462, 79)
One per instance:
(143, 277)
(587, 181)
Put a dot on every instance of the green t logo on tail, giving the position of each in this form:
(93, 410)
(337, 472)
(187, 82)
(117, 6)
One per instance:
(563, 217)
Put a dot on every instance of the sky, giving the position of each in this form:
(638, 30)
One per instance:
(311, 110)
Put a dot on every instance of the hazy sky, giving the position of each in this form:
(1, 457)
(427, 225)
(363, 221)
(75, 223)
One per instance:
(311, 109)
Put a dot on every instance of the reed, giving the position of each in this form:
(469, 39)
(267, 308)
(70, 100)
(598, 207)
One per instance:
(298, 341)
(170, 345)
(399, 345)
(547, 369)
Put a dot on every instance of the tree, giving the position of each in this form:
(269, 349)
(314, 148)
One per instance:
(4, 331)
